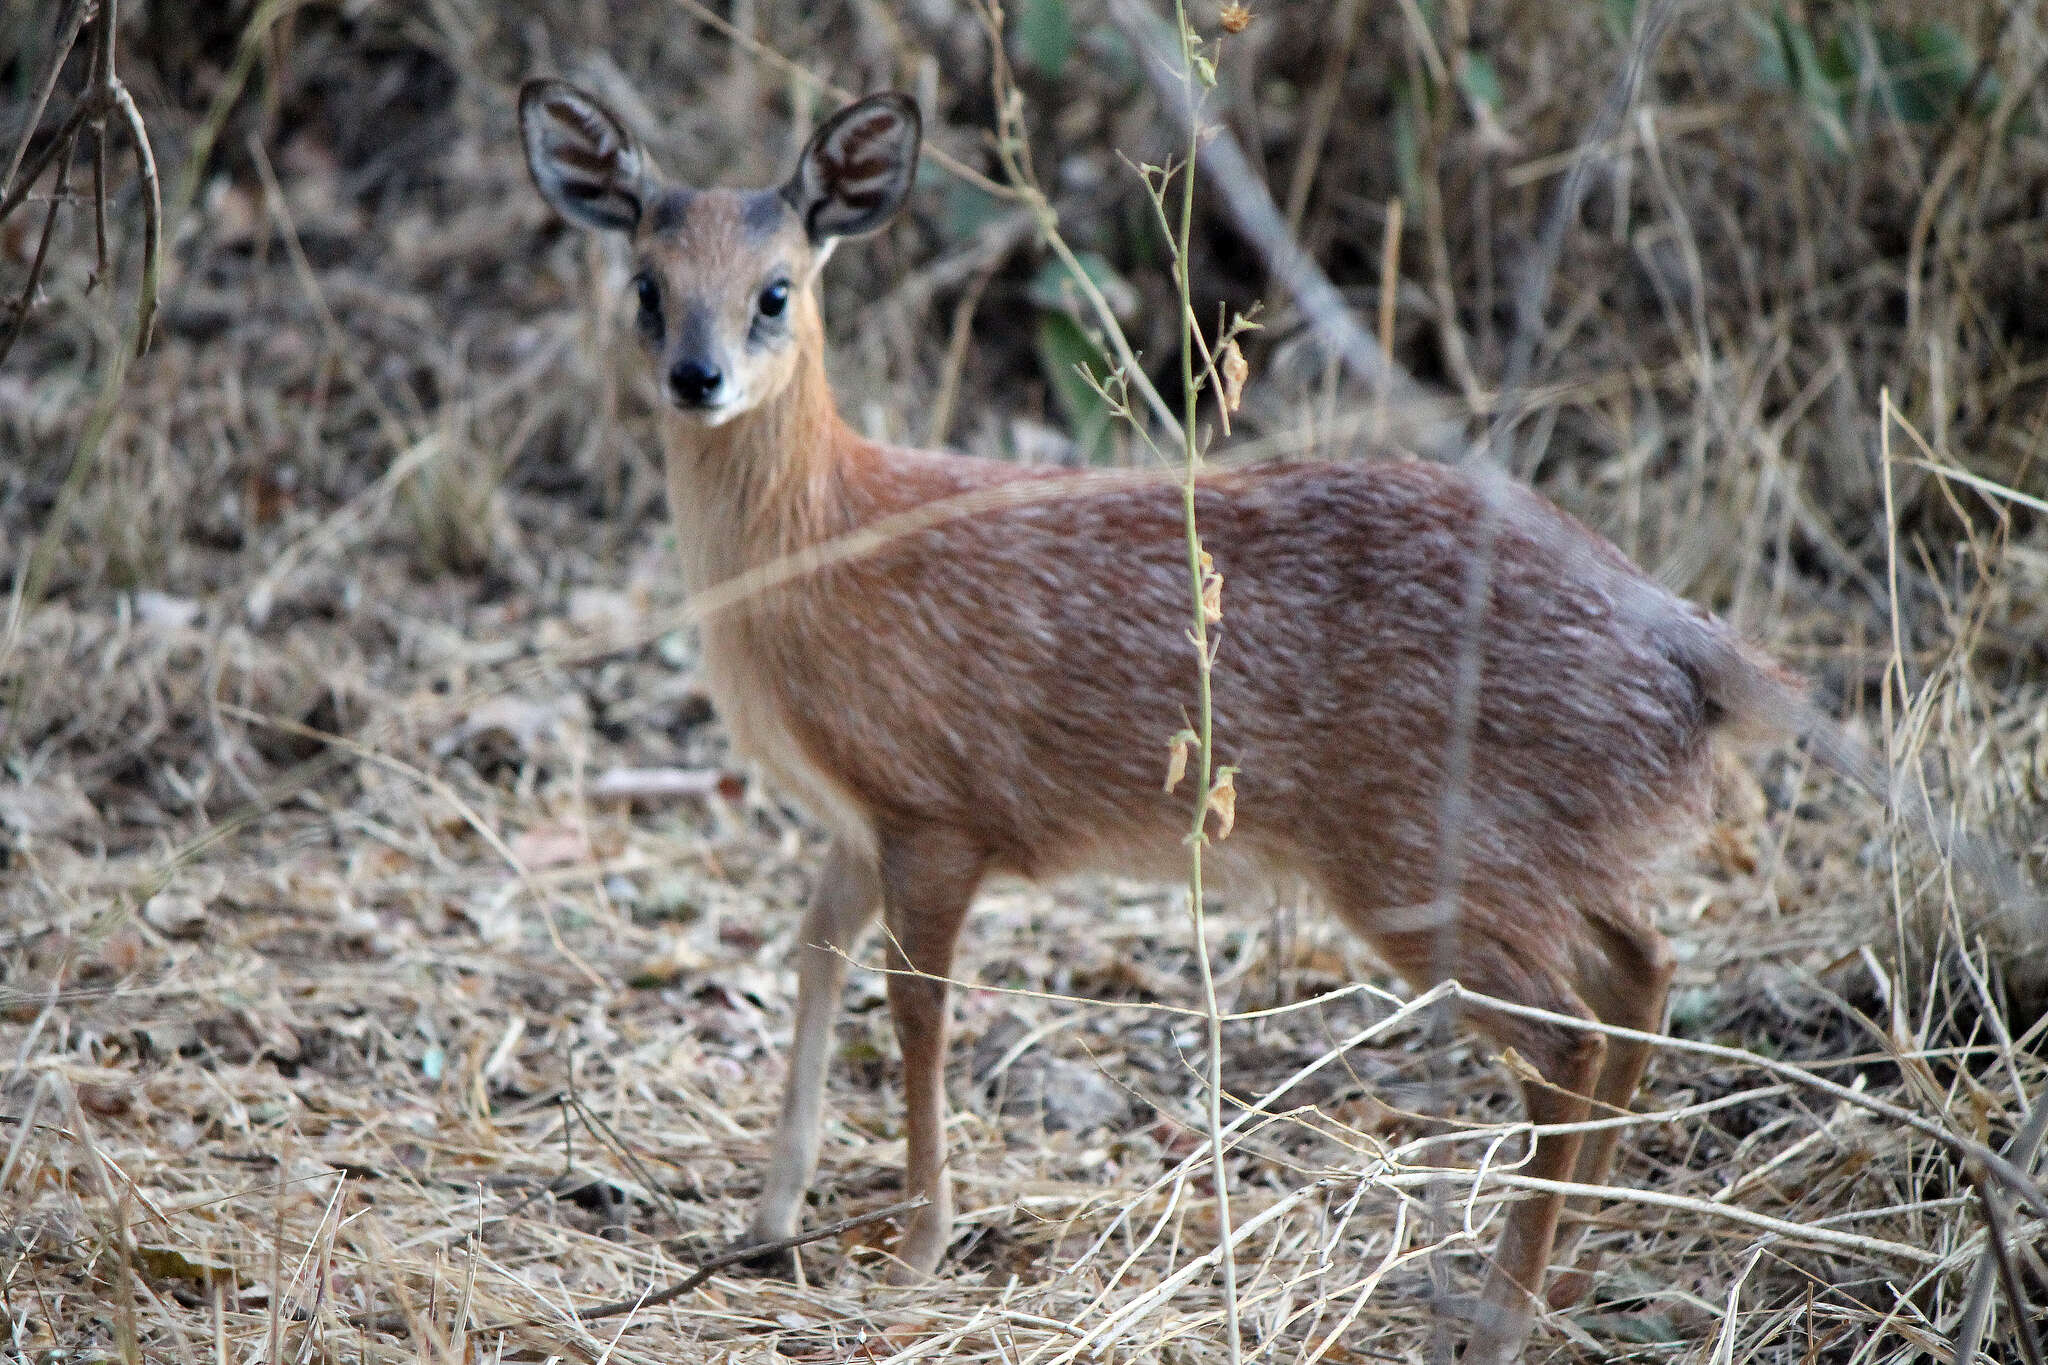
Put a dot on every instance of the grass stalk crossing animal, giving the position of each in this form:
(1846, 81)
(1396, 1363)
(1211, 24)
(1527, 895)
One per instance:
(992, 693)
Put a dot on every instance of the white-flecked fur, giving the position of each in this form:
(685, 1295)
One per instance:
(995, 692)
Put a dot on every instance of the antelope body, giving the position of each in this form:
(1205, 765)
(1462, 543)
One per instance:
(992, 692)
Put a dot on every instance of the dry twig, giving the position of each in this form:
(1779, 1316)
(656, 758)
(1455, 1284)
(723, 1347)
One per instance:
(105, 96)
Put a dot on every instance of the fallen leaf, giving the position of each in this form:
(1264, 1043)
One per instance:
(666, 965)
(173, 1263)
(549, 846)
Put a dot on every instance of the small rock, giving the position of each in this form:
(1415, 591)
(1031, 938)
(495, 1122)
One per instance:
(175, 914)
(1067, 1096)
(161, 611)
(45, 808)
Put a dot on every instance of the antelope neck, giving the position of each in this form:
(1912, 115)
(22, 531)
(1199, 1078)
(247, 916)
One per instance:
(765, 484)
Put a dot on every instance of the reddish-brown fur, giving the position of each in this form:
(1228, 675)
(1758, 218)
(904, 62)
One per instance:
(995, 693)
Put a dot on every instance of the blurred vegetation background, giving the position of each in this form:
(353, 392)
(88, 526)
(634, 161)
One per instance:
(1813, 203)
(373, 530)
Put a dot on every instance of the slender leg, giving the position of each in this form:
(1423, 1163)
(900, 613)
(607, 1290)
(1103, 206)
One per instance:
(848, 894)
(928, 879)
(1630, 992)
(1570, 1063)
(1493, 956)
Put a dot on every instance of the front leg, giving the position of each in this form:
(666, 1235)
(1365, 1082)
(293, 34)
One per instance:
(848, 894)
(929, 876)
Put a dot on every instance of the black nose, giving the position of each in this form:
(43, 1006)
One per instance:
(694, 382)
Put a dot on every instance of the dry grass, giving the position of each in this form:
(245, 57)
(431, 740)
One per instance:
(345, 1018)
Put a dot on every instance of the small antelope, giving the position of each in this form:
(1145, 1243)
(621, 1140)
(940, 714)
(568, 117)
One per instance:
(993, 692)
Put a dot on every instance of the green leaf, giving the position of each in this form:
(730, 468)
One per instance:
(1407, 148)
(1648, 1329)
(1919, 73)
(1800, 69)
(1054, 286)
(967, 209)
(1946, 64)
(1045, 35)
(1841, 61)
(1480, 81)
(1139, 238)
(1620, 18)
(1949, 60)
(1065, 352)
(1802, 60)
(1772, 70)
(1887, 63)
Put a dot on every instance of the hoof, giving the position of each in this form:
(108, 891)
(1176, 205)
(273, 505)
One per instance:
(904, 1275)
(1498, 1335)
(1462, 1309)
(1570, 1287)
(778, 1263)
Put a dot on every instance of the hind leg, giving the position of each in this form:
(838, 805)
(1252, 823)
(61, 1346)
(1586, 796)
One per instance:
(1501, 959)
(1569, 1063)
(1627, 985)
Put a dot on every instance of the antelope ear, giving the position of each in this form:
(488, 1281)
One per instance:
(583, 160)
(858, 168)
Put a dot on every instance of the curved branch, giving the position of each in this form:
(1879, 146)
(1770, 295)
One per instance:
(152, 216)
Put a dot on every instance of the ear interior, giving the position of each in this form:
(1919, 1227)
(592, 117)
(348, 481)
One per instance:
(583, 160)
(858, 168)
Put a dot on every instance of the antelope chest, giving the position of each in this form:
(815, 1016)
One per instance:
(750, 703)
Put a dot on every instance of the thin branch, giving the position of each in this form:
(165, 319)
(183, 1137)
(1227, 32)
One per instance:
(1534, 294)
(1977, 1306)
(104, 95)
(99, 201)
(1013, 153)
(1435, 431)
(1203, 612)
(2023, 1186)
(725, 1260)
(72, 21)
(35, 277)
(108, 20)
(59, 143)
(152, 218)
(1995, 1242)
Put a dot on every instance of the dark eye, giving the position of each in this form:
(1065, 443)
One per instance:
(649, 294)
(774, 299)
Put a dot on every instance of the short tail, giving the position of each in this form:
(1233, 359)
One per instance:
(1751, 698)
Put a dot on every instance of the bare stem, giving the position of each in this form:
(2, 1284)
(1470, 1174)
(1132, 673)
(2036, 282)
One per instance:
(58, 53)
(1204, 755)
(104, 95)
(35, 271)
(152, 218)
